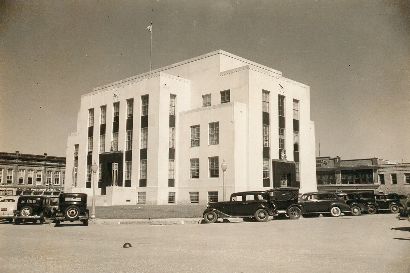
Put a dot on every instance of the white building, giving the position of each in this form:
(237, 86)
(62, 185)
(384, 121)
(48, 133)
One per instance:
(161, 137)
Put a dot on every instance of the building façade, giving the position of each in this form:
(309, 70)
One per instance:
(193, 132)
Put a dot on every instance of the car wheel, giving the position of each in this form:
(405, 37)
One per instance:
(26, 211)
(261, 215)
(294, 213)
(72, 213)
(210, 217)
(17, 221)
(85, 222)
(356, 211)
(57, 223)
(10, 220)
(394, 208)
(335, 211)
(371, 209)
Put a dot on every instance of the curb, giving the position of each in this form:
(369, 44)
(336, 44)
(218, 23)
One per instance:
(159, 222)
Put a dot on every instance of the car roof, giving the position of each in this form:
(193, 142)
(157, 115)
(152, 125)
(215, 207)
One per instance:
(248, 192)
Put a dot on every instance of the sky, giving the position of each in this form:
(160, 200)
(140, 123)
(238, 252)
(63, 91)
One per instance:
(354, 55)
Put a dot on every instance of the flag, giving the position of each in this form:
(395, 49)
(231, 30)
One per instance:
(149, 27)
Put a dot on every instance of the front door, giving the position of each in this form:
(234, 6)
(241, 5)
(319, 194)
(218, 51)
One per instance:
(284, 174)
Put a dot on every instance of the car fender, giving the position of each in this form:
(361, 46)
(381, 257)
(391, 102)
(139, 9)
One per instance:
(218, 212)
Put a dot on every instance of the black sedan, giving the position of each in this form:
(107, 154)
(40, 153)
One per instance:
(315, 203)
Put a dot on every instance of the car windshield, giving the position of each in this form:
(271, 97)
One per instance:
(72, 199)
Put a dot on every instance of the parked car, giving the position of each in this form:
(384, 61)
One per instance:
(250, 205)
(71, 207)
(357, 205)
(316, 203)
(286, 201)
(29, 209)
(8, 205)
(388, 202)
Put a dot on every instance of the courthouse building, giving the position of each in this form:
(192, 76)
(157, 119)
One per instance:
(193, 132)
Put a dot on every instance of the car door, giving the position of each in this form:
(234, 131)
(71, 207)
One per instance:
(309, 203)
(237, 206)
(382, 202)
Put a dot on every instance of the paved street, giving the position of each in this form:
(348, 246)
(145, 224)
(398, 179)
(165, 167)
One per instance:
(375, 243)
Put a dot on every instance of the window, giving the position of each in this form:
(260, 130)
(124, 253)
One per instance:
(128, 170)
(194, 197)
(39, 177)
(266, 169)
(57, 176)
(171, 137)
(394, 178)
(195, 135)
(9, 178)
(144, 138)
(206, 100)
(212, 196)
(297, 167)
(281, 138)
(90, 144)
(407, 178)
(63, 177)
(89, 171)
(171, 169)
(144, 105)
(296, 141)
(30, 177)
(90, 117)
(266, 135)
(49, 177)
(130, 108)
(171, 198)
(128, 141)
(116, 106)
(143, 169)
(194, 167)
(102, 143)
(1, 176)
(100, 172)
(115, 174)
(225, 96)
(114, 143)
(265, 101)
(296, 109)
(214, 133)
(22, 174)
(281, 105)
(381, 179)
(103, 116)
(142, 198)
(76, 148)
(172, 101)
(213, 166)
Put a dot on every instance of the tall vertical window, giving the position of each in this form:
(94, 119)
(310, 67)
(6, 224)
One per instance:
(265, 101)
(144, 105)
(266, 135)
(213, 166)
(22, 174)
(194, 167)
(171, 137)
(88, 181)
(30, 177)
(1, 176)
(116, 106)
(100, 172)
(171, 198)
(57, 178)
(381, 179)
(195, 135)
(130, 108)
(115, 174)
(194, 197)
(114, 143)
(172, 102)
(171, 169)
(281, 138)
(103, 114)
(296, 109)
(144, 138)
(225, 96)
(102, 143)
(62, 178)
(128, 141)
(90, 117)
(49, 177)
(9, 177)
(90, 144)
(394, 178)
(213, 133)
(206, 100)
(128, 170)
(297, 167)
(281, 105)
(39, 177)
(281, 113)
(143, 169)
(76, 148)
(266, 168)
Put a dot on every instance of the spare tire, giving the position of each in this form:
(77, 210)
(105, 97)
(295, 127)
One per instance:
(26, 211)
(72, 212)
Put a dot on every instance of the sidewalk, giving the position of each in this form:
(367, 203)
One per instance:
(164, 221)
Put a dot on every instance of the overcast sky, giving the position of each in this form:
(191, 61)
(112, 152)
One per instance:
(355, 56)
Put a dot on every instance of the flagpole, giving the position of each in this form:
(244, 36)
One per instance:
(150, 52)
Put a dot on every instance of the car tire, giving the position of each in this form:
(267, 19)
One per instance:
(26, 211)
(394, 208)
(261, 215)
(72, 213)
(356, 210)
(210, 217)
(371, 209)
(17, 221)
(335, 211)
(57, 223)
(294, 213)
(85, 222)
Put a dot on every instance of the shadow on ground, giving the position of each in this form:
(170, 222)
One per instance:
(401, 228)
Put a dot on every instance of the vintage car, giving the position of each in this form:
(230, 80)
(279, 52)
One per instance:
(250, 205)
(357, 205)
(8, 204)
(286, 201)
(29, 209)
(388, 202)
(71, 207)
(325, 203)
